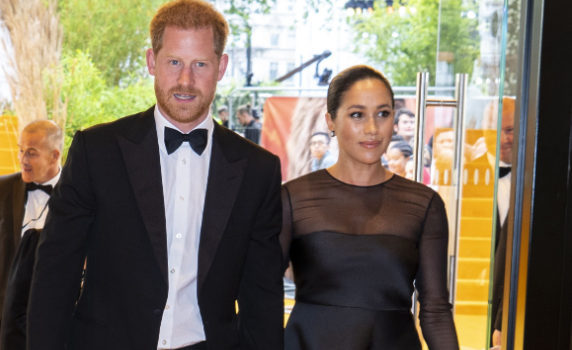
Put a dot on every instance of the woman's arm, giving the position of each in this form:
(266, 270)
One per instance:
(431, 280)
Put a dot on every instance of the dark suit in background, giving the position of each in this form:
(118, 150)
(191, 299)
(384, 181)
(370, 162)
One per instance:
(109, 206)
(13, 333)
(12, 202)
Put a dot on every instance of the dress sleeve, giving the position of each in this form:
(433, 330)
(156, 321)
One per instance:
(431, 281)
(286, 233)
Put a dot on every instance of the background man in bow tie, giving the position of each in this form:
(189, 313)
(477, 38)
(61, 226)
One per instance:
(477, 171)
(178, 216)
(24, 195)
(503, 202)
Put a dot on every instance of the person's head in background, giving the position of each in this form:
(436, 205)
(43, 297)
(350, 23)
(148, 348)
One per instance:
(223, 113)
(360, 111)
(40, 145)
(319, 144)
(409, 167)
(398, 156)
(404, 124)
(255, 115)
(187, 59)
(244, 115)
(507, 128)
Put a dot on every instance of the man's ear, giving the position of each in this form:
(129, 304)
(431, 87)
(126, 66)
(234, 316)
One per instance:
(150, 56)
(56, 155)
(222, 64)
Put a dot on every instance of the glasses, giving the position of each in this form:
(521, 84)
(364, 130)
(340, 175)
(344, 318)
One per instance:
(317, 143)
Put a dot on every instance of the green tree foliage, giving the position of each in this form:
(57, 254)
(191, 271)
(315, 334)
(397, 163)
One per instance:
(405, 42)
(90, 100)
(114, 32)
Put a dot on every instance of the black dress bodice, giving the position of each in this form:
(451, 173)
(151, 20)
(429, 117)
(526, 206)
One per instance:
(353, 271)
(357, 253)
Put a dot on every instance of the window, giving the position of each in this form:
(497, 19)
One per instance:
(273, 70)
(274, 40)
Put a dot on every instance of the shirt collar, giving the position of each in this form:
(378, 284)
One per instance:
(54, 179)
(492, 160)
(161, 122)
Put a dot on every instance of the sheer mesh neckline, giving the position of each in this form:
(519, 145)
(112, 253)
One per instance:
(358, 186)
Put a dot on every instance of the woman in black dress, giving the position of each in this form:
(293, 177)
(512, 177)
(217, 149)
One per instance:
(360, 238)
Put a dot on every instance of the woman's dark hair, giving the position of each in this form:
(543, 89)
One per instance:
(401, 112)
(404, 148)
(346, 79)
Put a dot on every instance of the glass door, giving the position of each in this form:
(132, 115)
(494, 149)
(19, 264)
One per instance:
(460, 108)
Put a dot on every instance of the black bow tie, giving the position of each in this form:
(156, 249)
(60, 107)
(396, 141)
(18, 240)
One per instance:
(32, 186)
(503, 171)
(197, 139)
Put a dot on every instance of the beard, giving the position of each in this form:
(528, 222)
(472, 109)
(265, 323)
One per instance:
(179, 112)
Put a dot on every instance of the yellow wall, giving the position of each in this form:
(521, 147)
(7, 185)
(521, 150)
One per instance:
(8, 145)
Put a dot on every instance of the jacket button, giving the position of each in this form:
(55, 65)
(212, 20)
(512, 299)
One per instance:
(158, 312)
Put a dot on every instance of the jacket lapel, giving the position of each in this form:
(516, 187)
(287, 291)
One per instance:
(18, 203)
(140, 151)
(225, 176)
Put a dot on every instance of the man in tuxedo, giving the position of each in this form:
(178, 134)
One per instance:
(178, 217)
(23, 209)
(479, 168)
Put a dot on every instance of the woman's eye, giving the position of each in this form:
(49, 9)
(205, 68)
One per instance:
(384, 114)
(355, 115)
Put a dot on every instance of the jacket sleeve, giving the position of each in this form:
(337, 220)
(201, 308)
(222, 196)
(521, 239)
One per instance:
(261, 294)
(61, 253)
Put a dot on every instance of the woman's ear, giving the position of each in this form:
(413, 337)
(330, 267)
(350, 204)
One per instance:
(330, 122)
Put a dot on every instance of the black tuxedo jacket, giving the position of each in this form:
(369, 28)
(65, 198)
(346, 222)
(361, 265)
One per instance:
(109, 207)
(12, 202)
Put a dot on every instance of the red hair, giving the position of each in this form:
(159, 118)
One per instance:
(189, 14)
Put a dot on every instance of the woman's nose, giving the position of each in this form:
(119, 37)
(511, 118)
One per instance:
(371, 126)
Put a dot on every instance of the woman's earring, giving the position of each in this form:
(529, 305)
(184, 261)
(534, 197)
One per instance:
(333, 134)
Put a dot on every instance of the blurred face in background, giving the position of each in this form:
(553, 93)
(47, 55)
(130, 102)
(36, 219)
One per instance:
(507, 138)
(490, 120)
(319, 146)
(405, 127)
(396, 162)
(243, 118)
(409, 170)
(223, 115)
(38, 157)
(363, 122)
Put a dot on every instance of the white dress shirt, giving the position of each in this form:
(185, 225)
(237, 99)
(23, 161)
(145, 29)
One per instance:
(36, 209)
(184, 174)
(503, 190)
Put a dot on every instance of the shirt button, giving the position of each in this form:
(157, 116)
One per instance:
(182, 198)
(164, 342)
(184, 161)
(178, 235)
(167, 307)
(172, 270)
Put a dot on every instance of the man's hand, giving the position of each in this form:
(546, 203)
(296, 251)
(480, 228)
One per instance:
(497, 336)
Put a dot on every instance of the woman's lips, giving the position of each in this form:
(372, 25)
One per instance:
(370, 144)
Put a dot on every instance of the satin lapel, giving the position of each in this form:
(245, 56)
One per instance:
(18, 207)
(140, 151)
(225, 177)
